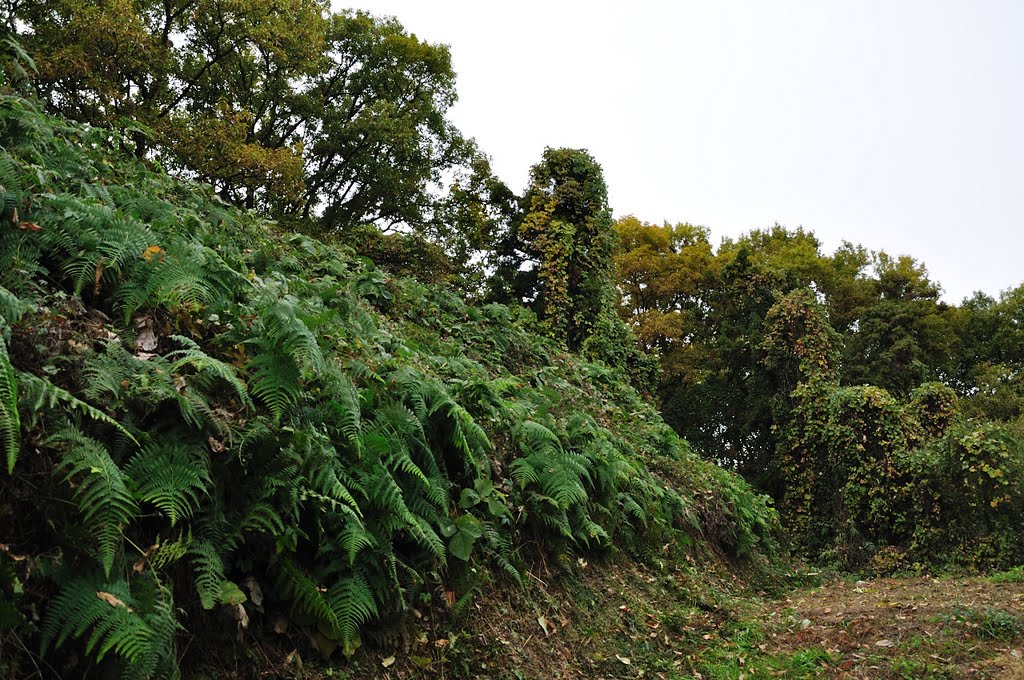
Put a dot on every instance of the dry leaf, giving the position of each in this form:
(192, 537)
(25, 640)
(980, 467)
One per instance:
(884, 643)
(388, 662)
(623, 659)
(255, 592)
(543, 624)
(146, 340)
(240, 615)
(99, 275)
(112, 600)
(25, 225)
(6, 549)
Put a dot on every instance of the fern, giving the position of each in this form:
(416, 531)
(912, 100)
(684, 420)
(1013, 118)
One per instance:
(323, 470)
(209, 572)
(172, 476)
(305, 593)
(354, 538)
(10, 422)
(101, 492)
(168, 552)
(352, 603)
(111, 617)
(276, 381)
(346, 407)
(40, 393)
(262, 517)
(203, 363)
(12, 308)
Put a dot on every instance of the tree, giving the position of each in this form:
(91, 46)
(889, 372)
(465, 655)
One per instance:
(902, 336)
(567, 231)
(557, 257)
(334, 118)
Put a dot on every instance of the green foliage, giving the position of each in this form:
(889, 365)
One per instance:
(987, 622)
(558, 256)
(172, 476)
(101, 491)
(337, 119)
(245, 413)
(10, 422)
(136, 626)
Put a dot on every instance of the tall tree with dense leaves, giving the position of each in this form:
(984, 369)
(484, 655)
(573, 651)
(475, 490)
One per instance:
(902, 335)
(338, 119)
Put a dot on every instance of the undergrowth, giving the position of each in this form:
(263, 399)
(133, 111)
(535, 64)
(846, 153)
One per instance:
(212, 428)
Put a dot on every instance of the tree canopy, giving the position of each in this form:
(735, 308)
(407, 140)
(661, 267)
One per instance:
(336, 118)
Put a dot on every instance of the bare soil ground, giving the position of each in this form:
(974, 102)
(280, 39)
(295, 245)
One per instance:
(905, 628)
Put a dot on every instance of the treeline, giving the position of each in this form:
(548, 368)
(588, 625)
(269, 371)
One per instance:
(885, 421)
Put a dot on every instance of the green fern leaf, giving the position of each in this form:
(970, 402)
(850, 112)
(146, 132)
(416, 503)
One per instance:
(276, 381)
(209, 572)
(172, 476)
(305, 594)
(40, 393)
(10, 422)
(101, 492)
(353, 605)
(193, 355)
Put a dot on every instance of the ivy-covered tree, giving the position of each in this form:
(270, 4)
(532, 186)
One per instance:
(557, 257)
(567, 231)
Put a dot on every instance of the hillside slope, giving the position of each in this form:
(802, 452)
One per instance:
(213, 428)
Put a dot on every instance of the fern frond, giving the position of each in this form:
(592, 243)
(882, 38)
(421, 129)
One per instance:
(262, 518)
(326, 480)
(346, 406)
(172, 476)
(12, 308)
(10, 421)
(353, 538)
(353, 605)
(40, 393)
(194, 355)
(104, 500)
(209, 572)
(290, 334)
(168, 552)
(106, 608)
(276, 381)
(466, 434)
(305, 593)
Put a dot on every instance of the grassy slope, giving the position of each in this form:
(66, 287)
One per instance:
(308, 454)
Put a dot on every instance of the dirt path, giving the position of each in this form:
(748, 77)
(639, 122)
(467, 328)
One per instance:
(906, 628)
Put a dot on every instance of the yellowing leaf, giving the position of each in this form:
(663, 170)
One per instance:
(151, 252)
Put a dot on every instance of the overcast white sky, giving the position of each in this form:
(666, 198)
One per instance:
(894, 124)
